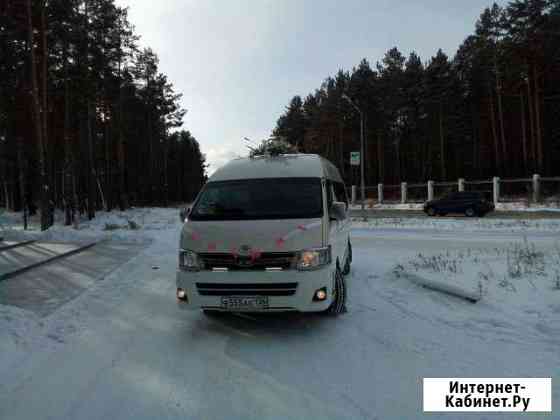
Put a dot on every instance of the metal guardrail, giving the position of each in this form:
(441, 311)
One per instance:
(515, 181)
(533, 193)
(478, 182)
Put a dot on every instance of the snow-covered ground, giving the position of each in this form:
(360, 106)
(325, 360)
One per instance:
(517, 284)
(123, 350)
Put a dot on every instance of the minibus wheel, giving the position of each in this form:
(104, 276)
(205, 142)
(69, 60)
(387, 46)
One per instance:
(348, 261)
(338, 305)
(211, 312)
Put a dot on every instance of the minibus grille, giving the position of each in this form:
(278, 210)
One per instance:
(283, 260)
(246, 289)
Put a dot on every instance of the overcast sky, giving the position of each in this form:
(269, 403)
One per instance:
(239, 62)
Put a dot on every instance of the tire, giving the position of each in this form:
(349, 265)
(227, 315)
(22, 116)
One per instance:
(338, 305)
(431, 212)
(211, 312)
(346, 269)
(470, 212)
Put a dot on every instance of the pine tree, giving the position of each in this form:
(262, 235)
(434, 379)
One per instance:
(91, 99)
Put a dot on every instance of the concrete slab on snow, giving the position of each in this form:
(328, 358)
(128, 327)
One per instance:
(44, 289)
(17, 258)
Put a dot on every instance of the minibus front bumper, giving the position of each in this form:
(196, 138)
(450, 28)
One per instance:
(287, 290)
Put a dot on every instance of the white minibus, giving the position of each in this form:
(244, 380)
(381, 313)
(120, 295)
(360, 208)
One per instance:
(267, 234)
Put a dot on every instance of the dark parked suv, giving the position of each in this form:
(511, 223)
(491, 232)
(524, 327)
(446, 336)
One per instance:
(468, 203)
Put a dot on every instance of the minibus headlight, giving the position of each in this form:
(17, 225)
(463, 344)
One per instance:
(312, 259)
(188, 260)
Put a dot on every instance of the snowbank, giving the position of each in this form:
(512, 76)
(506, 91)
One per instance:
(387, 206)
(513, 206)
(133, 225)
(460, 224)
(525, 207)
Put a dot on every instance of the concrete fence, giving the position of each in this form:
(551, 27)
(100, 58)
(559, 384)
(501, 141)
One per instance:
(537, 190)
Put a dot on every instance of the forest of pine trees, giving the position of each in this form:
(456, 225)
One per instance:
(492, 110)
(87, 120)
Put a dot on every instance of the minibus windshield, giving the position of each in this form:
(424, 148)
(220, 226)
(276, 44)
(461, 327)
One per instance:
(254, 199)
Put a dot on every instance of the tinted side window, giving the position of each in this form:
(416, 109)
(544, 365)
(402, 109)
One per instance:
(340, 192)
(330, 194)
(468, 196)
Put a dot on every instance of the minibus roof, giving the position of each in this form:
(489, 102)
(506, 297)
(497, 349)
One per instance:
(282, 166)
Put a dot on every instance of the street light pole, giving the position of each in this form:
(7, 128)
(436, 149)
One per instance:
(362, 149)
(362, 162)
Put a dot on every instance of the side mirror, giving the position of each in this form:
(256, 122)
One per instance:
(184, 213)
(337, 211)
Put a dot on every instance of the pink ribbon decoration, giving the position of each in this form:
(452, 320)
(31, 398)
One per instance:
(255, 255)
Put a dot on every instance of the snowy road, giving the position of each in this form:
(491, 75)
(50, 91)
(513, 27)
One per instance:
(124, 350)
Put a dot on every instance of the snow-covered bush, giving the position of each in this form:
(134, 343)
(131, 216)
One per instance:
(556, 260)
(515, 268)
(112, 226)
(524, 259)
(132, 225)
(442, 263)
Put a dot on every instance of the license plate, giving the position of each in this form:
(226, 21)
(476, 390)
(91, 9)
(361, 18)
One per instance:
(245, 303)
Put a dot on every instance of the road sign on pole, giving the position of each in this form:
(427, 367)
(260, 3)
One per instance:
(355, 158)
